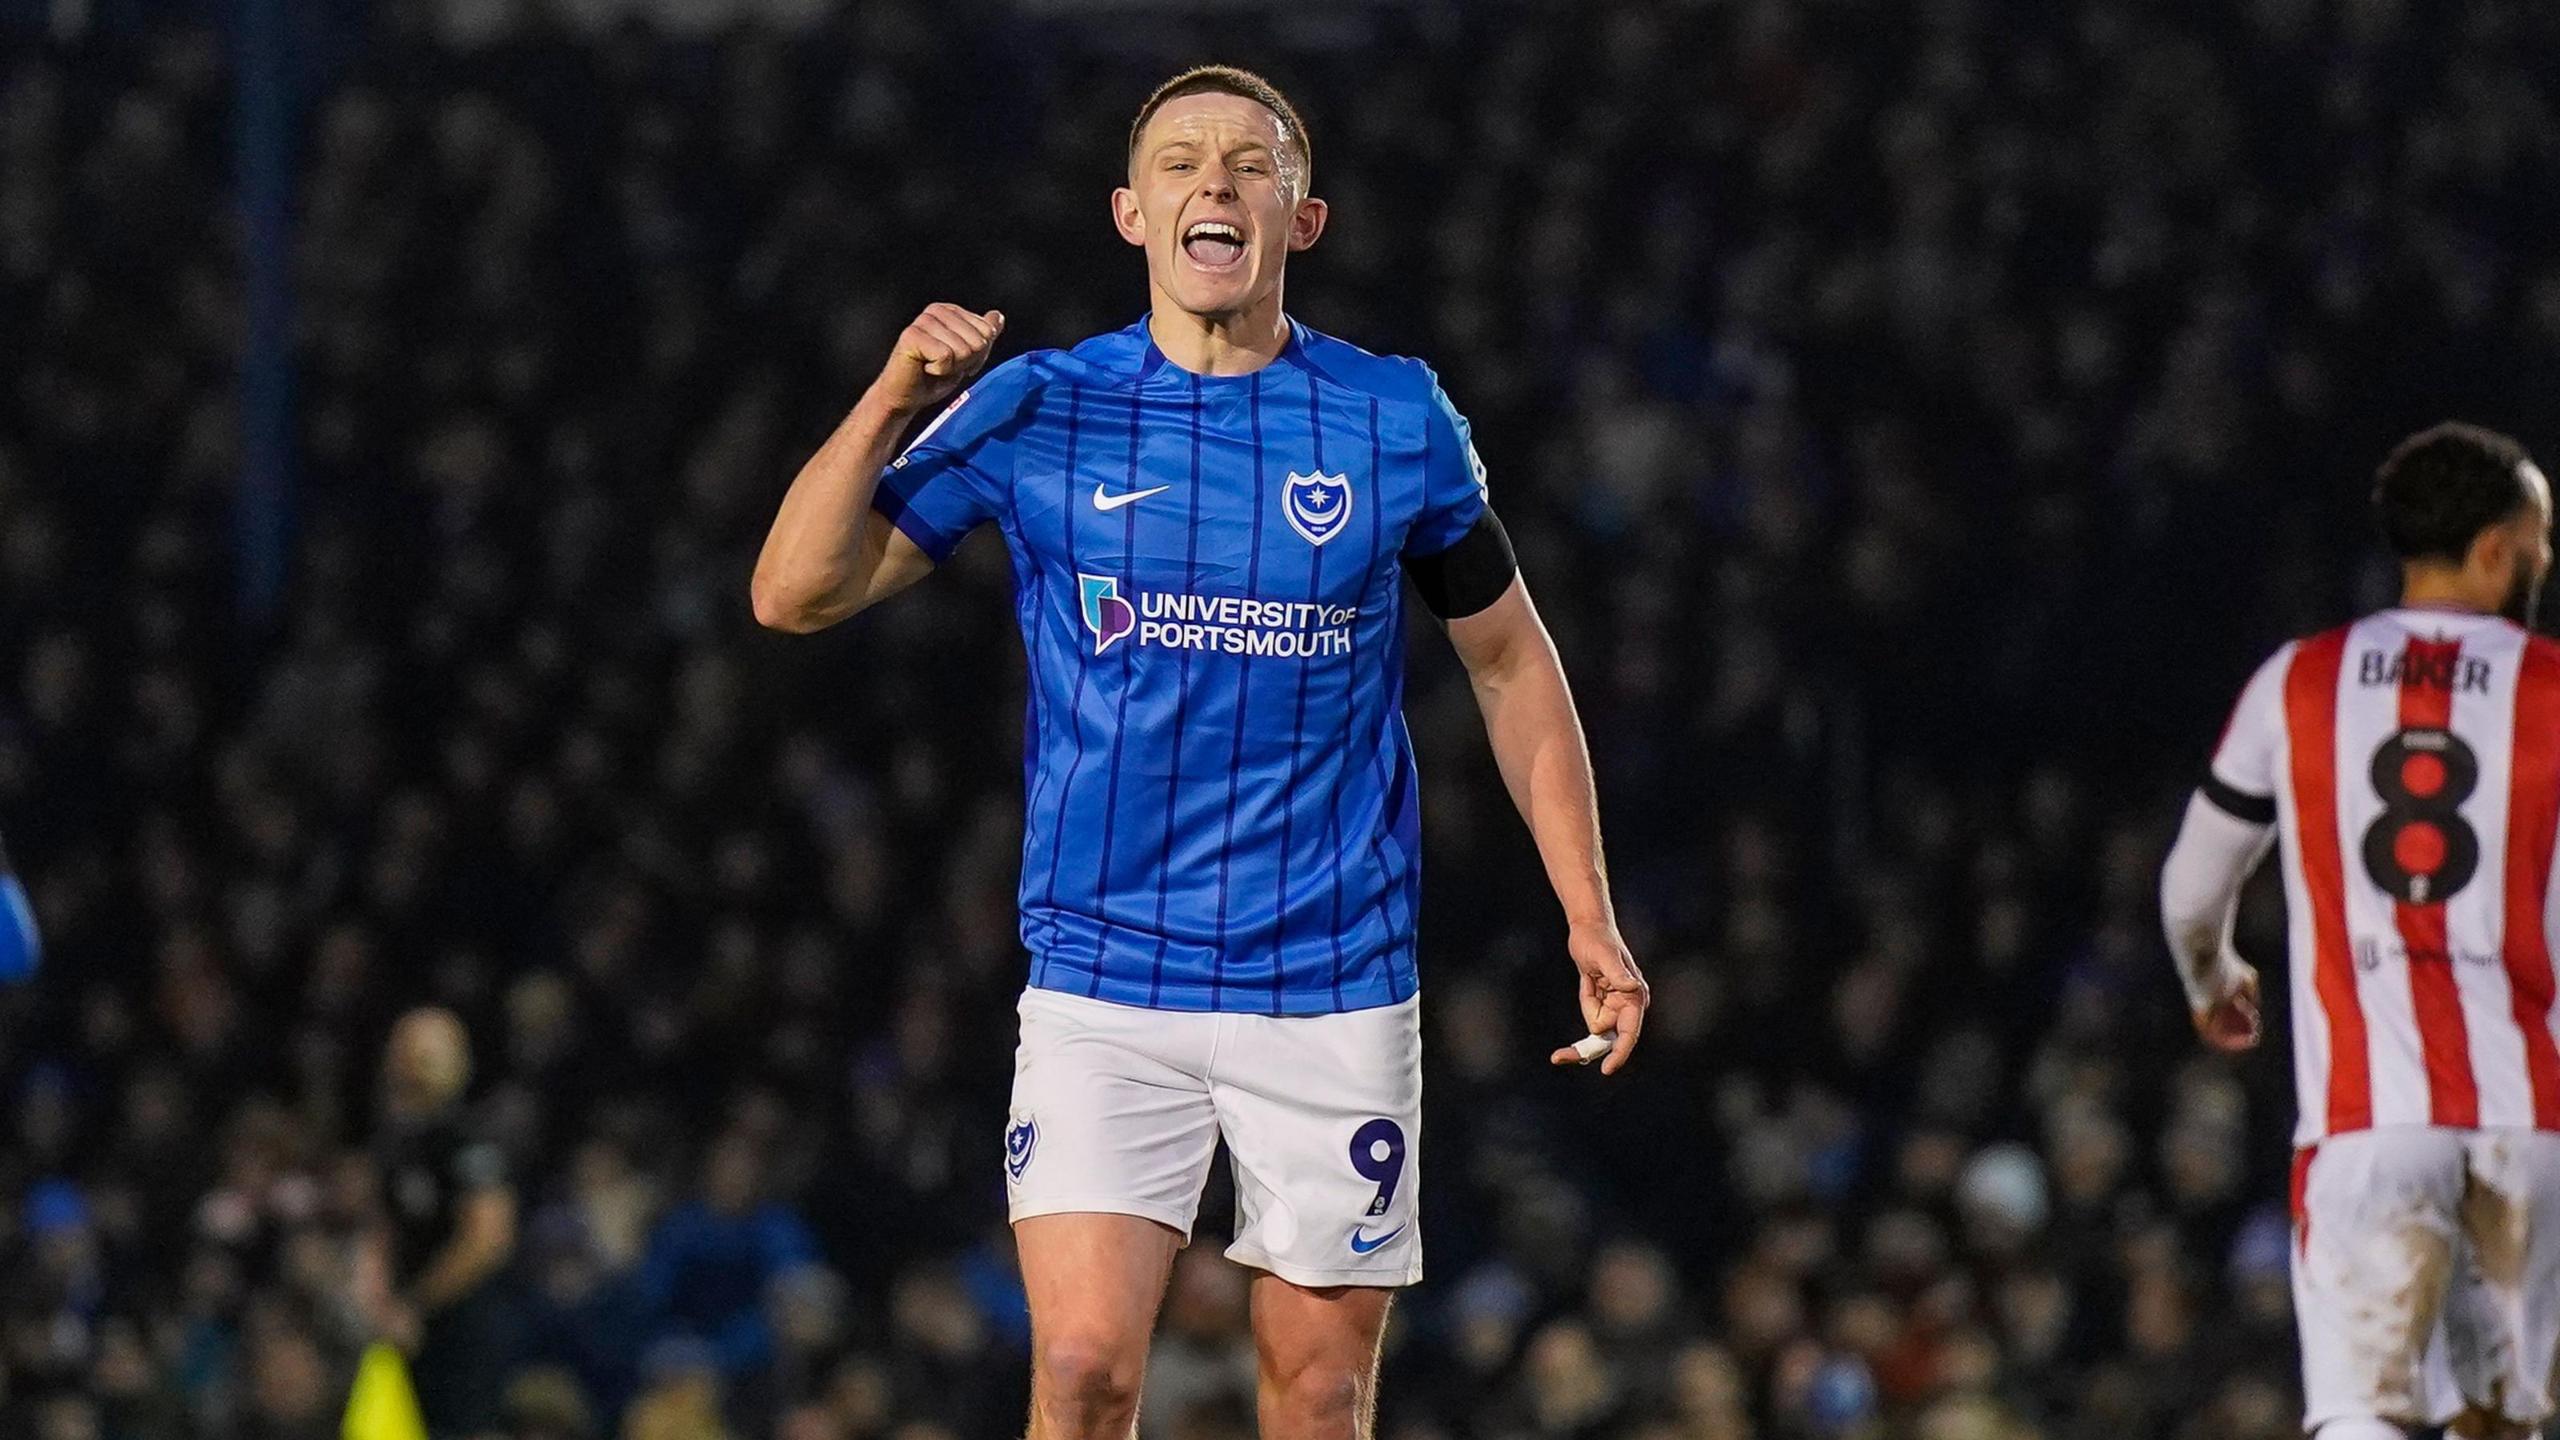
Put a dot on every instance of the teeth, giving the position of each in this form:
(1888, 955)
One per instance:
(1215, 228)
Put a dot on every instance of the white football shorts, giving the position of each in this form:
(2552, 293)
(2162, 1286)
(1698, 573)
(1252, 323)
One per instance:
(2426, 1276)
(1119, 1109)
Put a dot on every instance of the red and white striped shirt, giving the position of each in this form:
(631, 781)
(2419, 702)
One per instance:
(2412, 762)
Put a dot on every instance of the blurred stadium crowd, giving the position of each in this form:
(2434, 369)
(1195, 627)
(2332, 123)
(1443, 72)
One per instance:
(1915, 425)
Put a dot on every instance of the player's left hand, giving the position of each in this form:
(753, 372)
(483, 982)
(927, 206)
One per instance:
(1614, 995)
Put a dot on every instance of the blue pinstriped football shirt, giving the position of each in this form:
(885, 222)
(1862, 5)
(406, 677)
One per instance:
(1221, 811)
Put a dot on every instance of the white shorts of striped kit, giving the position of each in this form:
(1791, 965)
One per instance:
(2426, 1274)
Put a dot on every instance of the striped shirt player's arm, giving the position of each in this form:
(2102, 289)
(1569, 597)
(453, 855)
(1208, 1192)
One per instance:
(1457, 554)
(957, 474)
(826, 557)
(20, 946)
(2229, 824)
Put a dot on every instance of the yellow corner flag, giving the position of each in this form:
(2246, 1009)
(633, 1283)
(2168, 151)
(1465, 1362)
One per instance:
(383, 1405)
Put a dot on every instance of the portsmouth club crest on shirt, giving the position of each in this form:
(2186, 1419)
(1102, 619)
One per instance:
(1317, 505)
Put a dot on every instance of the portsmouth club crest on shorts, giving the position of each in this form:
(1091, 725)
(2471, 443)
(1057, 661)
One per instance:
(1317, 505)
(1020, 1139)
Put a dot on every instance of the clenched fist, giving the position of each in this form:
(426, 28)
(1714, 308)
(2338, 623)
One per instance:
(935, 356)
(2229, 1022)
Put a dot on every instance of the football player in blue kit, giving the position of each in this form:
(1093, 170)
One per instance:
(1212, 516)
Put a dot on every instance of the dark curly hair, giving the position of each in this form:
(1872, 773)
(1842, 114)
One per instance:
(2441, 487)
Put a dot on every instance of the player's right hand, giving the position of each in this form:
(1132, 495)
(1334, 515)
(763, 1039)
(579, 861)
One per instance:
(2231, 1024)
(936, 355)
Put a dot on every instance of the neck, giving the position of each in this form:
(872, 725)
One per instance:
(1232, 344)
(2434, 588)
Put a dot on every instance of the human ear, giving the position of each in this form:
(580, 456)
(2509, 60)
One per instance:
(1307, 222)
(2494, 553)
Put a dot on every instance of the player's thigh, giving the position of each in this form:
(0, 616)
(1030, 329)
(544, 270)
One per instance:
(1094, 1282)
(2378, 1244)
(1323, 1119)
(2503, 1321)
(1111, 1112)
(1317, 1338)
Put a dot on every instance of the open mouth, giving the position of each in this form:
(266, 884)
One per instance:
(1213, 244)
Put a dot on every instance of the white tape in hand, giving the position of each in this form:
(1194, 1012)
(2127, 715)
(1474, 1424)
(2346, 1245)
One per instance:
(1592, 1047)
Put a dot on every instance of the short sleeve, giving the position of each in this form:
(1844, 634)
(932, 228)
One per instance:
(2243, 776)
(1453, 488)
(958, 471)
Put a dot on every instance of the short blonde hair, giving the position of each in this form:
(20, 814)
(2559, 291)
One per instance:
(1243, 84)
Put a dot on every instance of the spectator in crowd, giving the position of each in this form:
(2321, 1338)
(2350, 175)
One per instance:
(714, 1264)
(547, 1405)
(680, 1397)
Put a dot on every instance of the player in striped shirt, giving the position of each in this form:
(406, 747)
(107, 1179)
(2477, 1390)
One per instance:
(1212, 517)
(2409, 766)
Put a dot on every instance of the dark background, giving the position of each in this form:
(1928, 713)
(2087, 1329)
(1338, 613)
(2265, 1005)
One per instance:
(1915, 421)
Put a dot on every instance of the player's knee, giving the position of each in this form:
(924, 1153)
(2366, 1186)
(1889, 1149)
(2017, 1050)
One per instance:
(1088, 1383)
(1316, 1382)
(1324, 1394)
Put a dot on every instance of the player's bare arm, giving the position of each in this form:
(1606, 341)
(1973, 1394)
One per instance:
(828, 557)
(1537, 742)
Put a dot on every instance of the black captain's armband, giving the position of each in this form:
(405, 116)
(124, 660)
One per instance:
(2237, 803)
(1469, 575)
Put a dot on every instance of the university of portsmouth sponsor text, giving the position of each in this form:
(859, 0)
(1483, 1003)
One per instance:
(1240, 625)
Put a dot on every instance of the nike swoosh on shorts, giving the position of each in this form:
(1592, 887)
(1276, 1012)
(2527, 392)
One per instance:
(1362, 1246)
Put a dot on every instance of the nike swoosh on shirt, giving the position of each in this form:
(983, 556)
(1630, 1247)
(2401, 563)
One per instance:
(1108, 503)
(1362, 1245)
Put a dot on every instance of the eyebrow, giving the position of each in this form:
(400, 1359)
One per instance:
(1183, 143)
